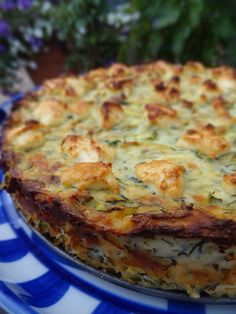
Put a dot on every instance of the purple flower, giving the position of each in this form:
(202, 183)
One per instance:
(24, 4)
(2, 48)
(36, 43)
(4, 29)
(7, 5)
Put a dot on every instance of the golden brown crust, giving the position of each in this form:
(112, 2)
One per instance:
(99, 176)
(142, 222)
(206, 141)
(160, 114)
(184, 222)
(229, 183)
(111, 113)
(165, 175)
(178, 269)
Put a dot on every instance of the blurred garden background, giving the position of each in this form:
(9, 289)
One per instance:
(41, 39)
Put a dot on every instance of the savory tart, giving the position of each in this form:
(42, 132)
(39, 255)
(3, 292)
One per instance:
(133, 171)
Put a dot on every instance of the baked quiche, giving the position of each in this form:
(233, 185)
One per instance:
(133, 171)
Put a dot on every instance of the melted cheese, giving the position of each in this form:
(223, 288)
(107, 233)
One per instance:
(229, 183)
(50, 112)
(205, 141)
(165, 175)
(95, 175)
(161, 115)
(28, 135)
(111, 114)
(85, 150)
(81, 108)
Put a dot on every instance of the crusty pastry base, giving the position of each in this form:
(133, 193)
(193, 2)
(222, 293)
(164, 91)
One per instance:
(195, 266)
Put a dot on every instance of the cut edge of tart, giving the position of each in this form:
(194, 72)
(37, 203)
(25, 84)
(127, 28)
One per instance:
(133, 171)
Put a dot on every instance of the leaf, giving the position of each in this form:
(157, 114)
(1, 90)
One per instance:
(168, 14)
(187, 24)
(155, 43)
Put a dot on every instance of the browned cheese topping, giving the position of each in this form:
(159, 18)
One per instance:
(153, 138)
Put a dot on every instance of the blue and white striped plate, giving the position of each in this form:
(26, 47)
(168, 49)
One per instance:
(35, 277)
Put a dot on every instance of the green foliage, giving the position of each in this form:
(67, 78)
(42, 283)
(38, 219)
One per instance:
(181, 30)
(82, 26)
(138, 31)
(21, 37)
(97, 32)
